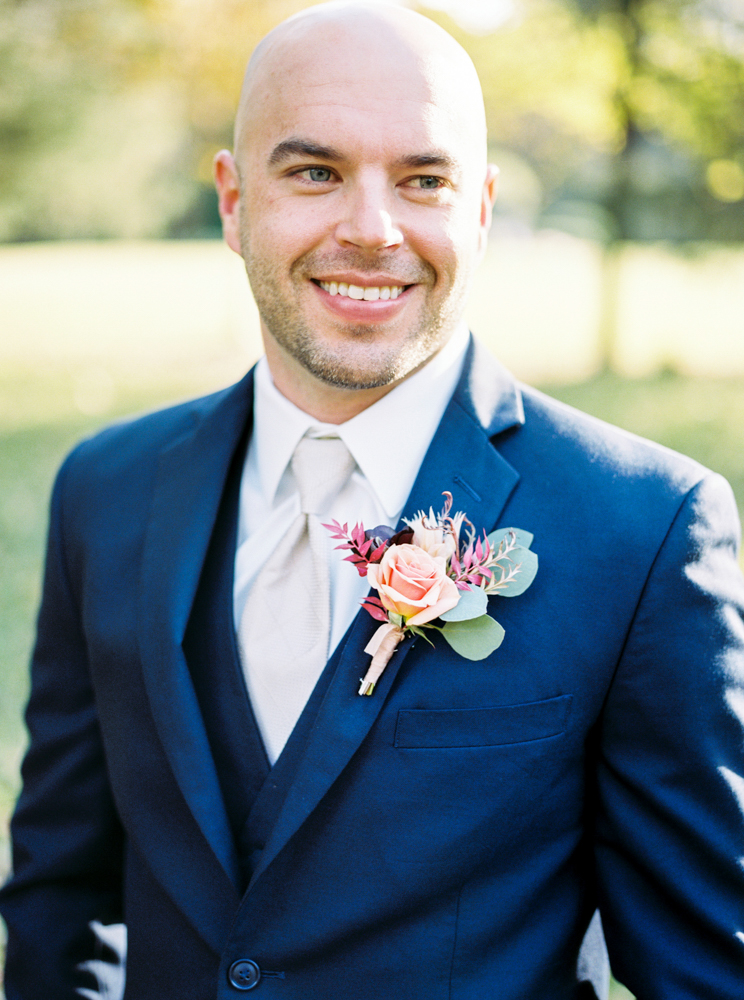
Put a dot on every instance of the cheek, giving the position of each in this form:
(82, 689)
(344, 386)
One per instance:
(442, 245)
(282, 229)
(463, 228)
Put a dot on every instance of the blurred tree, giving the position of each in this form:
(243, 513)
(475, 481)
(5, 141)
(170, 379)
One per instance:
(630, 113)
(680, 105)
(78, 82)
(679, 170)
(111, 112)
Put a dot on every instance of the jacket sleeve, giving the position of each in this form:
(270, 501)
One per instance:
(670, 791)
(67, 840)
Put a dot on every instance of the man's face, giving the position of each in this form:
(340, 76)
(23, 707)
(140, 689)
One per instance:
(363, 207)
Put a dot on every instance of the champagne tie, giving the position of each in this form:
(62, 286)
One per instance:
(285, 626)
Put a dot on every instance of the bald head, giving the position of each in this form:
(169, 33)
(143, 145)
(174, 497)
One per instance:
(359, 198)
(362, 46)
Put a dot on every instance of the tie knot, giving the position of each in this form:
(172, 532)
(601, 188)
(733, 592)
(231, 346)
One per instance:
(321, 467)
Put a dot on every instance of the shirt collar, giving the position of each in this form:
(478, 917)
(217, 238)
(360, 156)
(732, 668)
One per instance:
(388, 440)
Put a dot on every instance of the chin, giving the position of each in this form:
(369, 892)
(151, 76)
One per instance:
(345, 376)
(372, 368)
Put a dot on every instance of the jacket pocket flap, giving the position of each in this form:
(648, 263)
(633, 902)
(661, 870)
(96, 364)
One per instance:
(482, 727)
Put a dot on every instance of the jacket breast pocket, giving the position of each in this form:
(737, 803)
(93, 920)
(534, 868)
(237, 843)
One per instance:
(499, 725)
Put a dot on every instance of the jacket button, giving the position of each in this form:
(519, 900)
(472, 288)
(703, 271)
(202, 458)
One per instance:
(244, 974)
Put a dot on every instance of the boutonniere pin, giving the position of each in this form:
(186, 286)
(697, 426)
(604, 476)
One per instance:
(435, 574)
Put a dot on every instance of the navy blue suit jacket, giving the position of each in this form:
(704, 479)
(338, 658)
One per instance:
(449, 837)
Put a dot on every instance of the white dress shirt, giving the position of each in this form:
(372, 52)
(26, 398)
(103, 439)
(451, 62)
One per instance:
(388, 441)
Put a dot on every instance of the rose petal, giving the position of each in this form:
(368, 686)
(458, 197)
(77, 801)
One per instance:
(448, 598)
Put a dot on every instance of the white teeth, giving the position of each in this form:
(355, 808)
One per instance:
(358, 292)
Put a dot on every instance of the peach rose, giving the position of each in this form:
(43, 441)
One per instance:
(413, 584)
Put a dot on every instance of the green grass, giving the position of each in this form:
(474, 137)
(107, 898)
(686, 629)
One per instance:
(39, 421)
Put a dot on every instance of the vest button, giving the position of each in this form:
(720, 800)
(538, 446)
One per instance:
(244, 974)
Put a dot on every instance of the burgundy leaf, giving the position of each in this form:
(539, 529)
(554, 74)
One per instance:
(377, 613)
(378, 553)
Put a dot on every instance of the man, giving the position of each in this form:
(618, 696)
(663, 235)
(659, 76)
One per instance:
(451, 835)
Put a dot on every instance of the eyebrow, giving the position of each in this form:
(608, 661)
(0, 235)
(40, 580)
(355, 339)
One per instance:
(436, 158)
(289, 148)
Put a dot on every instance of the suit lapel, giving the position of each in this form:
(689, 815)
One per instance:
(460, 459)
(191, 477)
(342, 722)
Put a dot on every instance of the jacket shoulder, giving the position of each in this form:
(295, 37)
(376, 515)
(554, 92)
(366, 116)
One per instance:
(557, 442)
(600, 482)
(559, 433)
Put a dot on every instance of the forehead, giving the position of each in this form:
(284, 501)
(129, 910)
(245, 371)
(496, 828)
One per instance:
(375, 98)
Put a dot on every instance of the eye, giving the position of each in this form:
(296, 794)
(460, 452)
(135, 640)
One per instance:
(427, 182)
(319, 175)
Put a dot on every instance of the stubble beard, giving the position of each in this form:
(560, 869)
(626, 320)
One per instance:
(366, 360)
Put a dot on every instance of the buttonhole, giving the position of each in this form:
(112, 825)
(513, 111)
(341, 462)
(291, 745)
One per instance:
(468, 488)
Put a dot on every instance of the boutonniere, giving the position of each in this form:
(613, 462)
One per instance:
(436, 570)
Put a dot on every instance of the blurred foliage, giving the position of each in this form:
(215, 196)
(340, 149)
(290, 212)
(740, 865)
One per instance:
(616, 111)
(112, 109)
(610, 118)
(81, 99)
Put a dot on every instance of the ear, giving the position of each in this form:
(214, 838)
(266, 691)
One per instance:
(488, 198)
(227, 182)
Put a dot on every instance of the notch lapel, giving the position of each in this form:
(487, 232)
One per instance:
(461, 459)
(188, 490)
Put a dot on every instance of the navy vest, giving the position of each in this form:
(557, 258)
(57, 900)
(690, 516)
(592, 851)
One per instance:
(253, 791)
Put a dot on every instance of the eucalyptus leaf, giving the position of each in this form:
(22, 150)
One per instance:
(472, 604)
(521, 537)
(474, 639)
(527, 562)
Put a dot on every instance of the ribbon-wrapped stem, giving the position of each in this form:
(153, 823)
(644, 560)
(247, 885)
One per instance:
(381, 646)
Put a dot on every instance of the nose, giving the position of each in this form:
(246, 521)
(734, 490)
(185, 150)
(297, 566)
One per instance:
(367, 222)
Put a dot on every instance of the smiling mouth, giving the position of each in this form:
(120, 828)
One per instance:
(371, 294)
